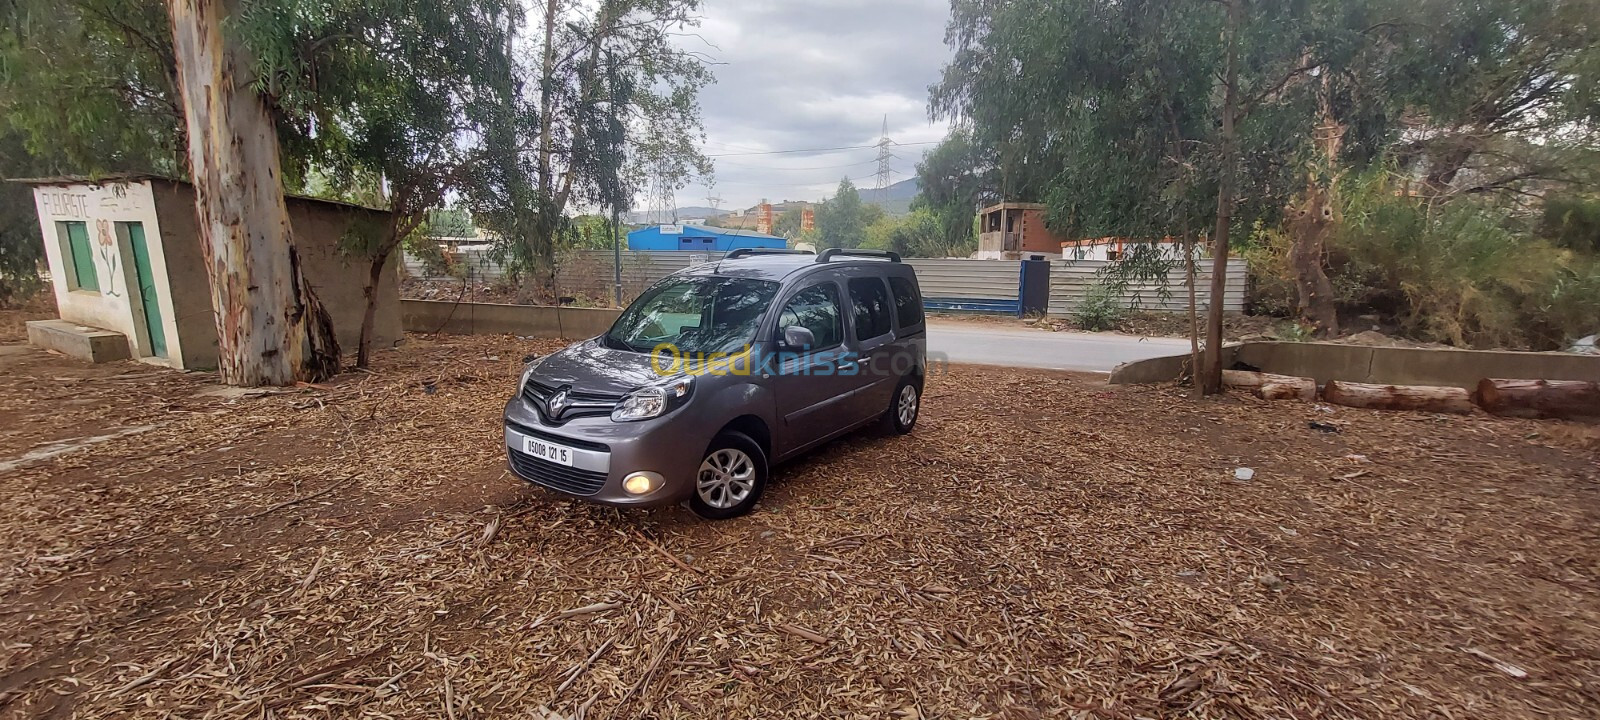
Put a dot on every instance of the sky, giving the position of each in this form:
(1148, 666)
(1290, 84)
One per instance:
(814, 74)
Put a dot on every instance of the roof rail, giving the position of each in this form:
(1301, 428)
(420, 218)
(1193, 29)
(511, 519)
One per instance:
(831, 253)
(737, 253)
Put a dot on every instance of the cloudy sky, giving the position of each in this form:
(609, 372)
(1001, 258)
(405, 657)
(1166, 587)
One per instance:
(814, 74)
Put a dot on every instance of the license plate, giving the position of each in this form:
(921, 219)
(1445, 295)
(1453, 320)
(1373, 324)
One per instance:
(558, 454)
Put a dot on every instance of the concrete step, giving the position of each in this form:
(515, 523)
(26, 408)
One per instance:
(79, 341)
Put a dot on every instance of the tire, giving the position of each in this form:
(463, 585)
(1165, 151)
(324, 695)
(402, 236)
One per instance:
(731, 478)
(898, 419)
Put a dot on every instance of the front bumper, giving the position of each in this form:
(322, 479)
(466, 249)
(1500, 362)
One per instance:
(602, 454)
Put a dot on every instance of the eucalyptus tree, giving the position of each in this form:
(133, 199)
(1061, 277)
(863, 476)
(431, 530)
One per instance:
(609, 100)
(957, 177)
(842, 220)
(1143, 118)
(271, 329)
(391, 101)
(90, 85)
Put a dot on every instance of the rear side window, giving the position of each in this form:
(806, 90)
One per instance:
(907, 304)
(871, 301)
(815, 308)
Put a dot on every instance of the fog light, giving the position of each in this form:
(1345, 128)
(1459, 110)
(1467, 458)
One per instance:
(641, 483)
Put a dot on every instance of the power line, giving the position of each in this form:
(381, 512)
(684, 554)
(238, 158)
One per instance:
(818, 150)
(819, 167)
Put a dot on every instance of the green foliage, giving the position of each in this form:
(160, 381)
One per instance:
(1571, 222)
(590, 232)
(956, 179)
(842, 220)
(1295, 332)
(918, 234)
(608, 107)
(1099, 310)
(21, 248)
(1459, 271)
(788, 224)
(450, 222)
(89, 86)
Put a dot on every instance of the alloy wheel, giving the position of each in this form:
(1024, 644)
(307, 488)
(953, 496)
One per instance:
(727, 477)
(907, 406)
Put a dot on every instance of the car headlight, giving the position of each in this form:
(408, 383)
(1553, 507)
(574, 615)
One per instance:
(653, 401)
(527, 371)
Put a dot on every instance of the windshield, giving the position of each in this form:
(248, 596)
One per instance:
(697, 315)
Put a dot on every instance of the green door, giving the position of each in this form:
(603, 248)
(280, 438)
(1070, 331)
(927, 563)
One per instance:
(147, 290)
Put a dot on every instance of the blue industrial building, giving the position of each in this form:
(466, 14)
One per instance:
(701, 239)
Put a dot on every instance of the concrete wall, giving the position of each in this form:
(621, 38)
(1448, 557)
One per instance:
(427, 316)
(166, 211)
(190, 288)
(339, 280)
(1380, 365)
(115, 306)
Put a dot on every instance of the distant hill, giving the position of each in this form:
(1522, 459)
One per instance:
(896, 199)
(641, 217)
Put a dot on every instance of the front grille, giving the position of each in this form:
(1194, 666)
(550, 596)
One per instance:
(579, 403)
(556, 477)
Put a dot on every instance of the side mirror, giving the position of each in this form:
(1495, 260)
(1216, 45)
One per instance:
(797, 338)
(529, 358)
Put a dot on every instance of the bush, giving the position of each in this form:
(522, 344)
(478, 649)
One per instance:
(1459, 272)
(1100, 309)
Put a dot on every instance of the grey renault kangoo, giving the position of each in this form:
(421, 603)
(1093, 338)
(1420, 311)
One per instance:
(719, 371)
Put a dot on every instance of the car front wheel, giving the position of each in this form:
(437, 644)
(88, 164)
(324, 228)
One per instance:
(731, 477)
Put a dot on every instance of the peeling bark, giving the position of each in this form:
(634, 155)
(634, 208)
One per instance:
(1309, 229)
(271, 329)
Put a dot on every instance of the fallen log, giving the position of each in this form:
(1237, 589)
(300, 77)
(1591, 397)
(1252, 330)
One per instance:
(1399, 397)
(1539, 398)
(1268, 386)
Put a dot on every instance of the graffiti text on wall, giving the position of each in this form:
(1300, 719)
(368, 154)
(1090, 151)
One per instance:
(66, 204)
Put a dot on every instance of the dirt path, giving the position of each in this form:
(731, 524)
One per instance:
(1043, 544)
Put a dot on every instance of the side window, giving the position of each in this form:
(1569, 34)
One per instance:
(907, 304)
(78, 255)
(815, 308)
(871, 301)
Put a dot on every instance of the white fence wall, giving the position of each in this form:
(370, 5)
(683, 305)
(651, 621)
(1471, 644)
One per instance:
(1069, 281)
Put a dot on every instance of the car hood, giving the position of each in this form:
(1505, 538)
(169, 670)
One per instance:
(592, 367)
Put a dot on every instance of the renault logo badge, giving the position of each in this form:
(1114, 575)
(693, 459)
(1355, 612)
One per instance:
(558, 402)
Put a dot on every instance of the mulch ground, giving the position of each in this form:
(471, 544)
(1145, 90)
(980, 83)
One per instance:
(1042, 545)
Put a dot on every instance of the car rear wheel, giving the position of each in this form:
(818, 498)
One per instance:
(732, 476)
(904, 406)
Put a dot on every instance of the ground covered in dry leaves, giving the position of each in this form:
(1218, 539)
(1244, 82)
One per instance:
(1042, 546)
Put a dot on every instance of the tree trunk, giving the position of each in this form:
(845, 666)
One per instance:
(1268, 386)
(1194, 315)
(1315, 219)
(1211, 376)
(1539, 398)
(1309, 231)
(271, 330)
(1398, 397)
(369, 317)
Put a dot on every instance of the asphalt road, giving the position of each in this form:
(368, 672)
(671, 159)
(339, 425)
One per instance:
(973, 344)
